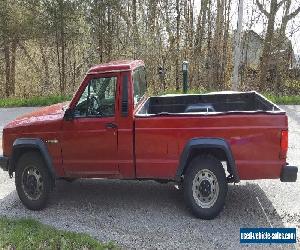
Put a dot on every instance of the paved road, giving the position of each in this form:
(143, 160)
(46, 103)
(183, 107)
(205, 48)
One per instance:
(8, 114)
(151, 215)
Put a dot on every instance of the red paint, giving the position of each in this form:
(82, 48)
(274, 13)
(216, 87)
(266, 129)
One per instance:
(147, 147)
(254, 140)
(284, 144)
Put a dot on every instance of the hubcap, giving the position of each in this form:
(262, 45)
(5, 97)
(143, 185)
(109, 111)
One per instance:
(32, 182)
(205, 188)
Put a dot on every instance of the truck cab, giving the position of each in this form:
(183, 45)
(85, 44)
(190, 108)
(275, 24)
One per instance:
(101, 114)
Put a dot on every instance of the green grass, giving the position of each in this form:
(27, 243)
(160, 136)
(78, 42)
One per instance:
(33, 101)
(285, 100)
(48, 100)
(278, 99)
(30, 234)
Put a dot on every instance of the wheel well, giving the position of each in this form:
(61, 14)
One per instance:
(218, 153)
(18, 152)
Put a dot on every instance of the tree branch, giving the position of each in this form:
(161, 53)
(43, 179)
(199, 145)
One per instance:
(293, 14)
(279, 4)
(262, 9)
(287, 7)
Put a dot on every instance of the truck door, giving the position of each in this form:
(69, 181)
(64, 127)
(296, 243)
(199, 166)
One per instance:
(89, 140)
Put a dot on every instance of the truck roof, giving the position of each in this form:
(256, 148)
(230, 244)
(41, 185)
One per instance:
(116, 66)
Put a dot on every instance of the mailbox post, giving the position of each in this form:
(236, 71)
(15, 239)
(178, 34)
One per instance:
(185, 65)
(161, 73)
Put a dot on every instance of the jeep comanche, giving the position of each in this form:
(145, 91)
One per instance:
(112, 129)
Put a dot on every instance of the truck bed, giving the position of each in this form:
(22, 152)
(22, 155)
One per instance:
(248, 122)
(205, 104)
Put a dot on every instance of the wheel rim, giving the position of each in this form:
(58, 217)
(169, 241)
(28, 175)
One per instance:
(32, 182)
(205, 188)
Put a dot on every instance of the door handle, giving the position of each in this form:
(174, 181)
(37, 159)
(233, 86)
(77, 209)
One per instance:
(111, 125)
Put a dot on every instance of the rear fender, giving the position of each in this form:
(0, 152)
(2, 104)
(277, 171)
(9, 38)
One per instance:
(207, 146)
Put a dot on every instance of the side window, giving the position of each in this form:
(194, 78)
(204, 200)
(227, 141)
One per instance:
(139, 84)
(98, 98)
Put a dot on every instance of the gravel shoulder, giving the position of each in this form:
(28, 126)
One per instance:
(150, 215)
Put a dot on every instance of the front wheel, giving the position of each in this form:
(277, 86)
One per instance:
(205, 187)
(33, 181)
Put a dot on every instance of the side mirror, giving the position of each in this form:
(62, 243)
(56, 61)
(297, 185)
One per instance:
(69, 115)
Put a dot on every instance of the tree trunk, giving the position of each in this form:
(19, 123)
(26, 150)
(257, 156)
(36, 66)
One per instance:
(208, 59)
(62, 43)
(63, 65)
(265, 62)
(58, 61)
(13, 67)
(45, 65)
(202, 20)
(110, 32)
(135, 30)
(217, 43)
(100, 29)
(177, 44)
(73, 66)
(225, 43)
(7, 69)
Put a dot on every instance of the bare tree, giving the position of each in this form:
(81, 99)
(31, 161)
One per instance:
(269, 44)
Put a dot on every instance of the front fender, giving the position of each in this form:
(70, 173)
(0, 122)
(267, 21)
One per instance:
(22, 144)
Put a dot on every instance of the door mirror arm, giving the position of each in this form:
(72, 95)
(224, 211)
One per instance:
(69, 114)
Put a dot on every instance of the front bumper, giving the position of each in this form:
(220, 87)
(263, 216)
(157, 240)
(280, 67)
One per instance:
(4, 162)
(289, 173)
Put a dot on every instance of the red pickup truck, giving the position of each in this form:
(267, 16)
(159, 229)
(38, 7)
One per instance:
(112, 129)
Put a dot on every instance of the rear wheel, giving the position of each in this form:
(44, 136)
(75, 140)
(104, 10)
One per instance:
(205, 187)
(33, 181)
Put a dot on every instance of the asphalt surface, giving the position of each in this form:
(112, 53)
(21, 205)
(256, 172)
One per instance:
(8, 114)
(151, 215)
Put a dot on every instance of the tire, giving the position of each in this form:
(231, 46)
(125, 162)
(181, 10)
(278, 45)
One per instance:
(33, 181)
(205, 187)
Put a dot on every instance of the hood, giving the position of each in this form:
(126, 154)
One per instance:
(45, 114)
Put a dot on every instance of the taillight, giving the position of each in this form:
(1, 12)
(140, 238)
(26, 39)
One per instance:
(284, 144)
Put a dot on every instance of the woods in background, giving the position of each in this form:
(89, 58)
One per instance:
(47, 46)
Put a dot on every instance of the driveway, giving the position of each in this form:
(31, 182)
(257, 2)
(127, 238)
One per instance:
(8, 114)
(151, 215)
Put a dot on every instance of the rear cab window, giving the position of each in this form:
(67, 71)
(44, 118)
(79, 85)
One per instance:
(139, 84)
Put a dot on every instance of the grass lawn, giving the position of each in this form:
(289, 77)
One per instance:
(284, 100)
(30, 234)
(33, 101)
(48, 100)
(278, 99)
